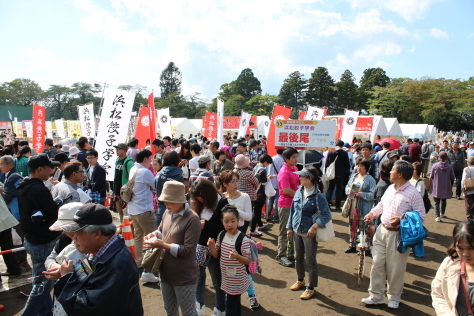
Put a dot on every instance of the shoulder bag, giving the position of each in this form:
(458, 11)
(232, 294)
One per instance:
(330, 173)
(464, 286)
(468, 183)
(126, 191)
(153, 257)
(327, 233)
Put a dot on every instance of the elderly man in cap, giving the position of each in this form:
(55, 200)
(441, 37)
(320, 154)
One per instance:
(106, 282)
(49, 148)
(38, 212)
(204, 163)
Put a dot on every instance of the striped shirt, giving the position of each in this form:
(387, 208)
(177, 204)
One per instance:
(234, 274)
(93, 258)
(396, 202)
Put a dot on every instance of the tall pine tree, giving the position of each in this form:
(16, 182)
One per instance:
(293, 91)
(170, 81)
(347, 93)
(372, 77)
(321, 90)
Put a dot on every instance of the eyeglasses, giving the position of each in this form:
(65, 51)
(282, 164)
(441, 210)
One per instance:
(89, 158)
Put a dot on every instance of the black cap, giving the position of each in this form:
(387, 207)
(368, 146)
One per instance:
(61, 157)
(89, 214)
(41, 160)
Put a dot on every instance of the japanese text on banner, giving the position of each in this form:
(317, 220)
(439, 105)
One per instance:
(304, 134)
(39, 119)
(113, 127)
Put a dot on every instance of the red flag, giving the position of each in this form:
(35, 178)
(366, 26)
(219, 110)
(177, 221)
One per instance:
(210, 126)
(39, 119)
(151, 109)
(279, 113)
(302, 115)
(142, 132)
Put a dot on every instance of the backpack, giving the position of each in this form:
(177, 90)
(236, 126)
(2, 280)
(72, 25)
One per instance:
(426, 199)
(253, 266)
(426, 151)
(126, 191)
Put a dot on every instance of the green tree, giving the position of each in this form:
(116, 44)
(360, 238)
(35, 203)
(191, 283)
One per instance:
(321, 90)
(292, 92)
(141, 95)
(85, 92)
(23, 92)
(372, 77)
(261, 104)
(247, 85)
(347, 93)
(170, 81)
(58, 100)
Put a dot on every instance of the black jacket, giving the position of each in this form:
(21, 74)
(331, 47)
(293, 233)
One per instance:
(214, 225)
(112, 289)
(342, 163)
(34, 196)
(98, 179)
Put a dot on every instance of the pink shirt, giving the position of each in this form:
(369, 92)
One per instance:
(397, 202)
(287, 179)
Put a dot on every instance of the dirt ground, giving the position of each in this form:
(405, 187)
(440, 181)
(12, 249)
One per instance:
(337, 292)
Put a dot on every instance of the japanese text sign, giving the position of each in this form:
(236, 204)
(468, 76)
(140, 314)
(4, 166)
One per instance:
(39, 119)
(86, 117)
(306, 135)
(210, 126)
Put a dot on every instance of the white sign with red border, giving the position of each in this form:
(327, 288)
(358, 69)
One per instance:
(305, 135)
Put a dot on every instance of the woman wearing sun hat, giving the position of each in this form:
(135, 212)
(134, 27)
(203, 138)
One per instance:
(178, 269)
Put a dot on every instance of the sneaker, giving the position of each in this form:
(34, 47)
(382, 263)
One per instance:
(256, 234)
(298, 285)
(264, 226)
(351, 249)
(284, 262)
(253, 302)
(370, 301)
(307, 294)
(148, 277)
(393, 304)
(201, 310)
(438, 219)
(217, 312)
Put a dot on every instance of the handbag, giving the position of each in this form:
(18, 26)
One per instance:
(346, 208)
(94, 195)
(468, 183)
(203, 255)
(269, 189)
(327, 233)
(153, 257)
(330, 173)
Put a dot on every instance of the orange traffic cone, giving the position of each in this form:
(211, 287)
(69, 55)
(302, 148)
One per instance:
(127, 234)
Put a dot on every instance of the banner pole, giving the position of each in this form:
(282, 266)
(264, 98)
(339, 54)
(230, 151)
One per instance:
(100, 110)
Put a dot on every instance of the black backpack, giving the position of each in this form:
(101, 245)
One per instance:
(426, 199)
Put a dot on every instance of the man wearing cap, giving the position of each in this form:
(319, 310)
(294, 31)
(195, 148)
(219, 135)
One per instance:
(204, 163)
(140, 207)
(38, 212)
(66, 190)
(123, 165)
(49, 148)
(110, 286)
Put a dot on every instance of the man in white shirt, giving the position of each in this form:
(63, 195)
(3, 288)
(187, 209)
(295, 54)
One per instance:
(140, 207)
(383, 154)
(195, 151)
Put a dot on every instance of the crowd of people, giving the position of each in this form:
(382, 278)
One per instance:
(204, 205)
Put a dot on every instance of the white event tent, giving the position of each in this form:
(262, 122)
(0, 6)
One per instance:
(409, 129)
(184, 126)
(393, 127)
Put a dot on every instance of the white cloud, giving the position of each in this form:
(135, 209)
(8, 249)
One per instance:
(407, 9)
(437, 33)
(471, 35)
(370, 52)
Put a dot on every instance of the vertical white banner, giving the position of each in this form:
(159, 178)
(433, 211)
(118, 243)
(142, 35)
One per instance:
(29, 129)
(244, 124)
(375, 126)
(165, 122)
(349, 125)
(263, 125)
(60, 128)
(315, 113)
(49, 129)
(220, 122)
(86, 117)
(113, 127)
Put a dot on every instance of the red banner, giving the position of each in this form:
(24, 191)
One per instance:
(232, 122)
(39, 119)
(142, 132)
(279, 113)
(151, 109)
(210, 126)
(302, 115)
(364, 124)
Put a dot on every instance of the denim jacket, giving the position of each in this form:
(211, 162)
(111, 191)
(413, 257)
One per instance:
(305, 212)
(366, 200)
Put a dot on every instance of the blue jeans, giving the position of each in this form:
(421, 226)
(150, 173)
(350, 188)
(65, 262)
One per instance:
(39, 302)
(215, 272)
(272, 205)
(458, 176)
(159, 213)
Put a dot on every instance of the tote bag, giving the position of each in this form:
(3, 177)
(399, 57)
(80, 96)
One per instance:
(269, 189)
(330, 171)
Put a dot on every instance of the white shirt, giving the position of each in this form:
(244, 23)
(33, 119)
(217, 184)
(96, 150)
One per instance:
(193, 163)
(142, 200)
(244, 206)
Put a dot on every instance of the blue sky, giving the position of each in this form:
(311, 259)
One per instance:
(131, 41)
